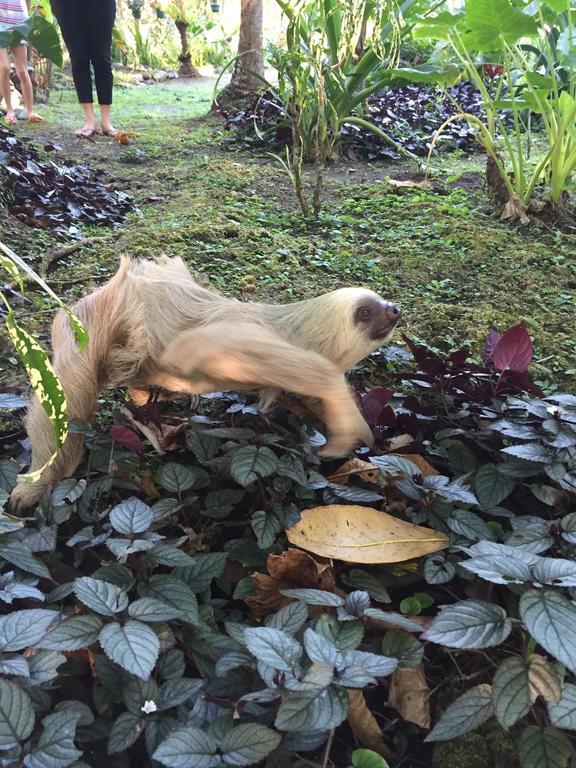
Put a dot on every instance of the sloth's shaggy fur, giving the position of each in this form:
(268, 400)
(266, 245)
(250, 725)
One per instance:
(153, 327)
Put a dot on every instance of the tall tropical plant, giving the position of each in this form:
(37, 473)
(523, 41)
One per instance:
(337, 54)
(534, 71)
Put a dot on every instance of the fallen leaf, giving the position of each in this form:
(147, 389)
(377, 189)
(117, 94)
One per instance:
(358, 468)
(290, 570)
(398, 186)
(127, 437)
(399, 441)
(365, 726)
(147, 484)
(515, 209)
(410, 695)
(122, 137)
(162, 437)
(357, 534)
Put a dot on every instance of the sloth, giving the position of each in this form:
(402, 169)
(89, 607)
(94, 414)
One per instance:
(153, 327)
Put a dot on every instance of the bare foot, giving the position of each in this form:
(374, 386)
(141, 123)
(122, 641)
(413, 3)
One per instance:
(34, 118)
(109, 130)
(86, 131)
(11, 118)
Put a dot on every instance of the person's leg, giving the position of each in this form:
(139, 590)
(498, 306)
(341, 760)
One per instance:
(5, 90)
(102, 17)
(20, 54)
(74, 25)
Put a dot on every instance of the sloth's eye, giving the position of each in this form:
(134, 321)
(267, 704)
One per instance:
(364, 314)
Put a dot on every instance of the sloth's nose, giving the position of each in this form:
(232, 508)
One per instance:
(392, 312)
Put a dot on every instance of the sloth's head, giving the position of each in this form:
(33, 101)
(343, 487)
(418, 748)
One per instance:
(368, 322)
(376, 317)
(344, 325)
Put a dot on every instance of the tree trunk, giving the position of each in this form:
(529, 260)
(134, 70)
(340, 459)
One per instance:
(186, 68)
(250, 61)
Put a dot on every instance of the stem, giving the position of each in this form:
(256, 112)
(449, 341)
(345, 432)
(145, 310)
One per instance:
(384, 136)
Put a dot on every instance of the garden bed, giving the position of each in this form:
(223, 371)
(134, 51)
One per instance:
(456, 272)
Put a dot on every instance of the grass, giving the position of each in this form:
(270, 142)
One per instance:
(455, 271)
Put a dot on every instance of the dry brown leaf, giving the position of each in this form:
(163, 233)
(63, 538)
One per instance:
(398, 186)
(290, 570)
(122, 137)
(362, 469)
(357, 534)
(515, 209)
(147, 484)
(410, 695)
(162, 437)
(543, 680)
(399, 441)
(365, 726)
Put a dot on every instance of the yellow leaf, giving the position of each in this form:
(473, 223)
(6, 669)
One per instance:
(409, 695)
(362, 469)
(365, 726)
(543, 680)
(357, 534)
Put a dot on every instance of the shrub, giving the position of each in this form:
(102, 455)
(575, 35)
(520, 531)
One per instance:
(151, 607)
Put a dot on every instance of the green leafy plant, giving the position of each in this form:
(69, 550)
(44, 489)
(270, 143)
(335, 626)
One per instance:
(327, 71)
(41, 34)
(41, 374)
(155, 616)
(517, 86)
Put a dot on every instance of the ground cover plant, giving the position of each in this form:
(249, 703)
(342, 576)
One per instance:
(409, 114)
(204, 591)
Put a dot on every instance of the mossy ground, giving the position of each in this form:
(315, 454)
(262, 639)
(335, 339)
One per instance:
(455, 271)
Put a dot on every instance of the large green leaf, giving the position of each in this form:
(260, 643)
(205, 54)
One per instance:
(131, 516)
(55, 748)
(188, 747)
(550, 617)
(176, 594)
(306, 712)
(544, 748)
(125, 730)
(437, 27)
(491, 23)
(465, 714)
(491, 486)
(21, 629)
(101, 596)
(40, 33)
(177, 478)
(273, 647)
(470, 624)
(134, 646)
(16, 715)
(511, 691)
(249, 743)
(42, 377)
(563, 714)
(72, 634)
(80, 333)
(250, 462)
(153, 610)
(19, 555)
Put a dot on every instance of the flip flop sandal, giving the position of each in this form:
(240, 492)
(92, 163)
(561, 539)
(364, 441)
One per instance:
(34, 118)
(85, 134)
(111, 134)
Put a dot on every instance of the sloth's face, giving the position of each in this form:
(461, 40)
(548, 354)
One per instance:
(377, 317)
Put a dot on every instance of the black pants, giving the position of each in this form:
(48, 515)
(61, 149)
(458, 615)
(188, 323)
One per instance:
(87, 31)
